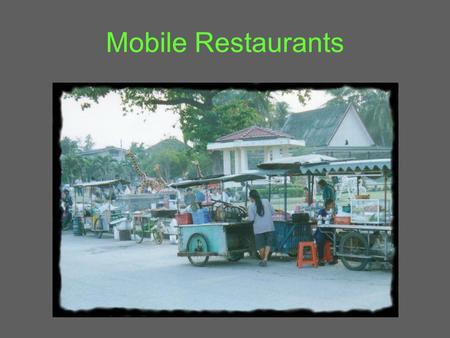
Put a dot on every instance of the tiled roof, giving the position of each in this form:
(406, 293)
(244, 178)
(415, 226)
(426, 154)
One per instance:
(316, 127)
(253, 133)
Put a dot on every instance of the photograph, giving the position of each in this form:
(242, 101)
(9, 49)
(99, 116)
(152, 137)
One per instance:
(225, 199)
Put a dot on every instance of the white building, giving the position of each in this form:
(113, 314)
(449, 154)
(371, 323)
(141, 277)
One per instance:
(243, 149)
(116, 153)
(334, 131)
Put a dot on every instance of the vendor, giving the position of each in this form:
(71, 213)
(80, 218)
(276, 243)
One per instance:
(189, 197)
(261, 212)
(328, 192)
(200, 198)
(322, 236)
(226, 195)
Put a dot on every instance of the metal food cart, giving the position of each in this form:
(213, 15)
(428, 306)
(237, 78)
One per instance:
(287, 233)
(95, 212)
(230, 239)
(358, 244)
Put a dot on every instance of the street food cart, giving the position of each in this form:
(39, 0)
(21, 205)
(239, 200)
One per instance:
(288, 233)
(93, 206)
(368, 235)
(152, 223)
(226, 234)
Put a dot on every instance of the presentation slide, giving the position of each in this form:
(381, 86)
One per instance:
(235, 168)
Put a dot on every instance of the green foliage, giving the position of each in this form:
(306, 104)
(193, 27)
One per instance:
(69, 146)
(88, 143)
(373, 107)
(204, 114)
(280, 113)
(201, 127)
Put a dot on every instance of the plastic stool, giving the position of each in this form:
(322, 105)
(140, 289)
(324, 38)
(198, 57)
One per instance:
(314, 261)
(328, 257)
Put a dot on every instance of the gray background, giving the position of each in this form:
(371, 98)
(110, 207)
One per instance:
(43, 42)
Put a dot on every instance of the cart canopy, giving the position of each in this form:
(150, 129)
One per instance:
(294, 162)
(357, 167)
(250, 176)
(101, 183)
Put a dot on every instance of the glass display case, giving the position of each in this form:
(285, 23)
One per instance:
(365, 211)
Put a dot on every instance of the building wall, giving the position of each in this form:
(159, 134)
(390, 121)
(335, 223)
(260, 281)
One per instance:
(352, 130)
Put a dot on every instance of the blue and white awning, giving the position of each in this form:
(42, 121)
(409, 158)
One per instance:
(363, 167)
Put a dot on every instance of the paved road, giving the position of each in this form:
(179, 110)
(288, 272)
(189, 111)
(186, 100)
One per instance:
(107, 273)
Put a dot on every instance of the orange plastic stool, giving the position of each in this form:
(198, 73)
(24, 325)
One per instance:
(328, 257)
(314, 261)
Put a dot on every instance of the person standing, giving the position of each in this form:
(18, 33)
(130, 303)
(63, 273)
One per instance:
(260, 212)
(328, 192)
(67, 203)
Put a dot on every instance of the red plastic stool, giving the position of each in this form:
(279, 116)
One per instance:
(328, 256)
(314, 261)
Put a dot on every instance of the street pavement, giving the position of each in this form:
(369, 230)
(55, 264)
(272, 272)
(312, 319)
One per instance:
(104, 273)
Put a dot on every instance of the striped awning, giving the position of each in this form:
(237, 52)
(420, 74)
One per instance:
(363, 167)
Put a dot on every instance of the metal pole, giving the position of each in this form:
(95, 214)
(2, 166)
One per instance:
(385, 199)
(309, 190)
(312, 189)
(246, 194)
(285, 197)
(270, 188)
(357, 184)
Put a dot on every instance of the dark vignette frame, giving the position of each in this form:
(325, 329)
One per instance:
(58, 311)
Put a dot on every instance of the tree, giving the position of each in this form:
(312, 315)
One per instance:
(71, 167)
(197, 108)
(88, 143)
(373, 107)
(69, 146)
(280, 113)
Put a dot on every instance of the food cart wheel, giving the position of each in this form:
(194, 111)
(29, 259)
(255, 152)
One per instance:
(234, 257)
(354, 243)
(196, 244)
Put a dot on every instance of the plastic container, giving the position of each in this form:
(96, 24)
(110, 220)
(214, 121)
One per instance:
(201, 216)
(76, 226)
(185, 218)
(121, 224)
(173, 239)
(124, 235)
(342, 219)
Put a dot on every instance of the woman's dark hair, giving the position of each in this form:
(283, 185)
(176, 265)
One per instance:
(259, 206)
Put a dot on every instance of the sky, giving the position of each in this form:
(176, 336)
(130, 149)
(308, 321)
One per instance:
(108, 127)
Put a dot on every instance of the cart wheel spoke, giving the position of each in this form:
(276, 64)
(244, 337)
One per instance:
(197, 244)
(354, 243)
